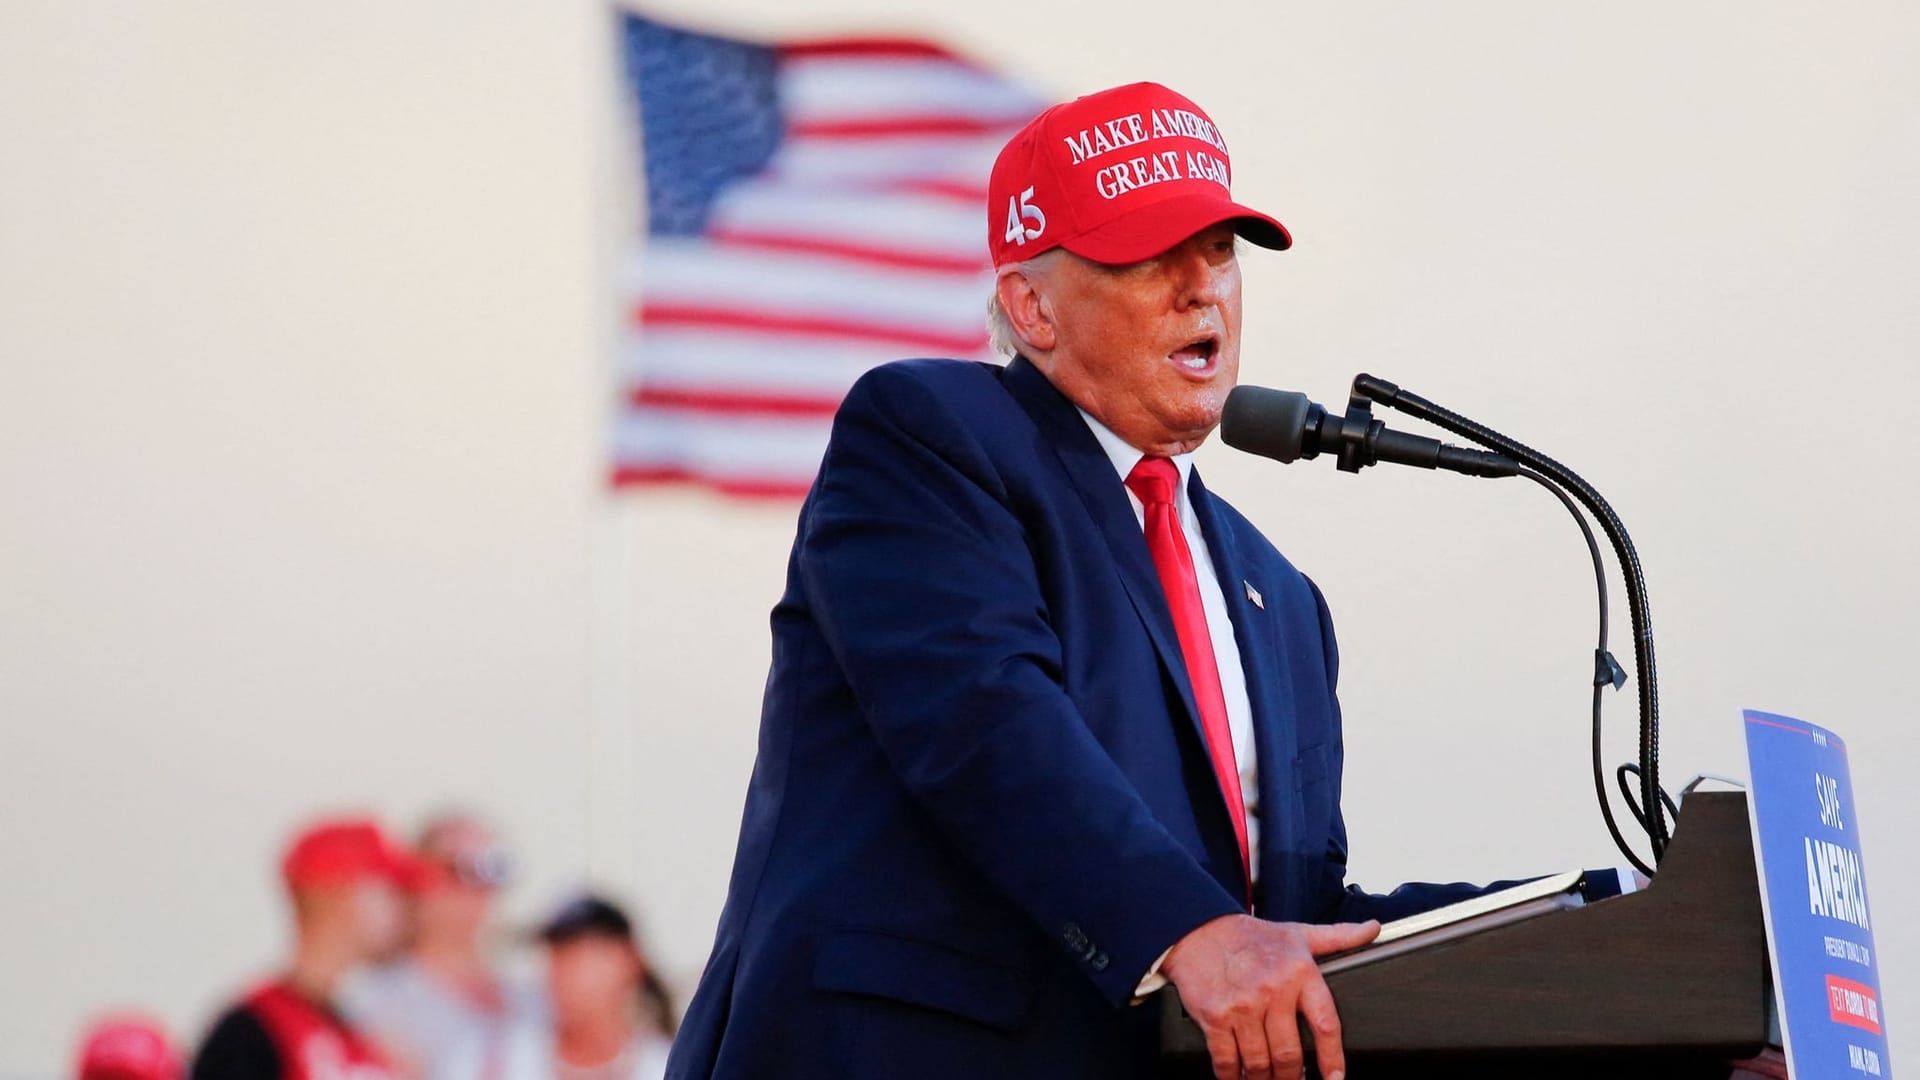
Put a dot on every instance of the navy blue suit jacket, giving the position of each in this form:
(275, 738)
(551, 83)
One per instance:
(982, 807)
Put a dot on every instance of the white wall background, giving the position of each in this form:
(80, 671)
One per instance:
(301, 388)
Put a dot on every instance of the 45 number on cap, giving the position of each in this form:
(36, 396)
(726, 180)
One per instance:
(1020, 211)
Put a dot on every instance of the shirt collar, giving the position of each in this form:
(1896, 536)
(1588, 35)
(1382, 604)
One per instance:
(1125, 456)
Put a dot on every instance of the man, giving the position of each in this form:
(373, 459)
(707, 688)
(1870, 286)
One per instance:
(1048, 724)
(344, 879)
(442, 1010)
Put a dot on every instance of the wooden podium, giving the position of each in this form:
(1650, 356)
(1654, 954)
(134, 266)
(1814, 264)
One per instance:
(1670, 981)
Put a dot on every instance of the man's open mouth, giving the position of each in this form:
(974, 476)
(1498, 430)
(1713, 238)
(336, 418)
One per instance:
(1197, 354)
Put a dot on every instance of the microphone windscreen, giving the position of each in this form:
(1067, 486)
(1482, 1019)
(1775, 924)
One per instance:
(1271, 423)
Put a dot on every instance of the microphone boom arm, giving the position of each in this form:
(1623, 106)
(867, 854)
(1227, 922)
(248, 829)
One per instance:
(1651, 812)
(1357, 440)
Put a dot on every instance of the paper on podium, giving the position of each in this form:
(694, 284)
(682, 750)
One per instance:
(1548, 894)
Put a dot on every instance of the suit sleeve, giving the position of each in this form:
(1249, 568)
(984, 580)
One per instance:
(921, 578)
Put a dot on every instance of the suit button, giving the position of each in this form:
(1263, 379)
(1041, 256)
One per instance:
(1099, 961)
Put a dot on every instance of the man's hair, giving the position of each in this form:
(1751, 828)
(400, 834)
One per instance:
(1000, 334)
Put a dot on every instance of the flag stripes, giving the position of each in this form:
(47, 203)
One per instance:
(814, 209)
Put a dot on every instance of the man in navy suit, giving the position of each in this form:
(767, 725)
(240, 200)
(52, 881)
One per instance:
(1048, 724)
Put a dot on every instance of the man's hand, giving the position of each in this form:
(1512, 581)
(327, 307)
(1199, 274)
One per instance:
(1245, 980)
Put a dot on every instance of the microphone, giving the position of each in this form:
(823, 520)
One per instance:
(1286, 426)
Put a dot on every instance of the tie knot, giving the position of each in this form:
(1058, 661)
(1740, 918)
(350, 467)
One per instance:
(1153, 481)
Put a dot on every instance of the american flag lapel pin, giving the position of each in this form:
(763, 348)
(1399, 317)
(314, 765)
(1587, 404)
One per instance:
(1253, 594)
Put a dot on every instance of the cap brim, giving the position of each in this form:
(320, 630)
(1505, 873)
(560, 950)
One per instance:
(1158, 226)
(405, 871)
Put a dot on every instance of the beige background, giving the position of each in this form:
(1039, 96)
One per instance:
(302, 353)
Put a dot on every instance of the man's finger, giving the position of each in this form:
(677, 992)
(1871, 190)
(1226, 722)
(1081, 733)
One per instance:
(1339, 937)
(1256, 1056)
(1225, 1053)
(1283, 1041)
(1316, 1005)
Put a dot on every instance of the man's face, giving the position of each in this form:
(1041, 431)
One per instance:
(459, 895)
(365, 917)
(380, 919)
(1150, 349)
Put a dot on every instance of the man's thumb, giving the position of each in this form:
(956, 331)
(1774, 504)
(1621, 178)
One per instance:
(1340, 937)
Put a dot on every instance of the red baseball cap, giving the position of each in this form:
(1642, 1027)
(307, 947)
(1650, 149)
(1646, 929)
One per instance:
(342, 851)
(127, 1048)
(1116, 177)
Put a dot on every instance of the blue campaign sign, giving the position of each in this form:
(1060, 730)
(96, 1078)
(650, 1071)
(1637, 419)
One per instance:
(1819, 924)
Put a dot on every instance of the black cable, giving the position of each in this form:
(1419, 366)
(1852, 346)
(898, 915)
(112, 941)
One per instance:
(1603, 661)
(1633, 804)
(1393, 397)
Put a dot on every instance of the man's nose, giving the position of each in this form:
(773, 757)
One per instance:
(1197, 279)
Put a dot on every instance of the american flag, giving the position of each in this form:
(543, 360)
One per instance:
(813, 209)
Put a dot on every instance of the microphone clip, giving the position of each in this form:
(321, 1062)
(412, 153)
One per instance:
(1357, 434)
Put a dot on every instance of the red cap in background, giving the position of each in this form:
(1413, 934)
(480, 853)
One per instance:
(1116, 177)
(342, 851)
(127, 1048)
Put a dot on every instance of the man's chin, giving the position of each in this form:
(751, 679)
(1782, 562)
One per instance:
(1187, 435)
(1198, 421)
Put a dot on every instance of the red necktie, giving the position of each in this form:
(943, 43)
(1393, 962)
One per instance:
(1154, 481)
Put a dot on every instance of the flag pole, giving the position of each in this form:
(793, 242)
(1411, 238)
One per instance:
(612, 745)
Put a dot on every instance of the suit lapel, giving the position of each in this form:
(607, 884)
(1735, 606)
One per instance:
(1269, 690)
(1091, 472)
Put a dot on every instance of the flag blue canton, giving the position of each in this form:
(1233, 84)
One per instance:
(710, 114)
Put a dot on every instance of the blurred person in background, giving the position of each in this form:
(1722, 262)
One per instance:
(127, 1048)
(612, 1017)
(345, 879)
(442, 1010)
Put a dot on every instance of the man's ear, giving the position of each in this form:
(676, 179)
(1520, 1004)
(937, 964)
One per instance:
(1027, 311)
